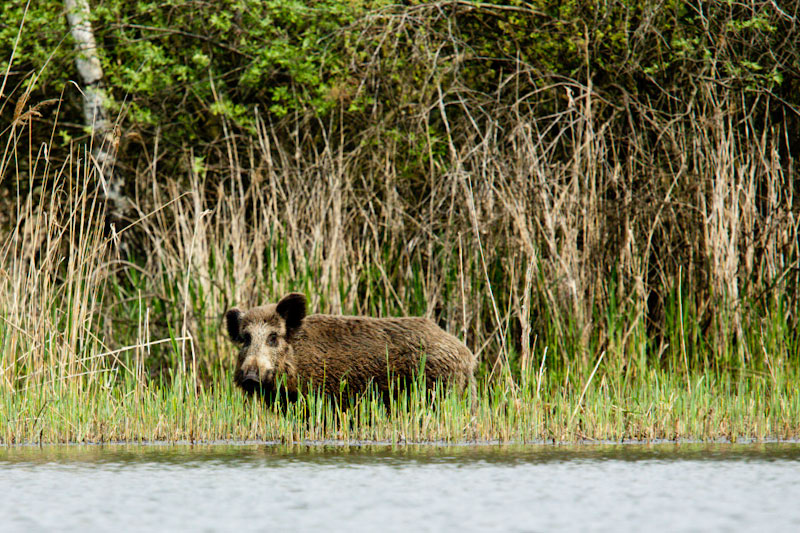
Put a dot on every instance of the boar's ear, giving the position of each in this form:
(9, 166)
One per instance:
(233, 319)
(292, 308)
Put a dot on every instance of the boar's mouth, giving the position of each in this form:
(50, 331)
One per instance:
(253, 386)
(264, 390)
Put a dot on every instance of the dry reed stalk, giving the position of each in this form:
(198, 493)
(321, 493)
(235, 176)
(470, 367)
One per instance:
(56, 229)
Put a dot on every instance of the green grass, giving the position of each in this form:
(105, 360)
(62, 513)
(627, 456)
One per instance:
(657, 405)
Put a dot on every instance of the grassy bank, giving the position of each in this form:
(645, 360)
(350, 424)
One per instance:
(656, 406)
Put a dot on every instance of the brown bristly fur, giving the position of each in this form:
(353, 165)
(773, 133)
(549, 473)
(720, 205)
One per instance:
(345, 352)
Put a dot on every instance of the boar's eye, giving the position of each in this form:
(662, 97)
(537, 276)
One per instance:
(246, 339)
(272, 340)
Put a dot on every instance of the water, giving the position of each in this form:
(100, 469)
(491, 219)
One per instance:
(376, 488)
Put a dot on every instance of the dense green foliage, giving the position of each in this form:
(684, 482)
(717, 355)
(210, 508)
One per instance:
(181, 66)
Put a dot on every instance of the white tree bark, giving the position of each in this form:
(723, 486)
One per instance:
(95, 109)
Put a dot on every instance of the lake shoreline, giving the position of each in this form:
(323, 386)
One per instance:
(402, 445)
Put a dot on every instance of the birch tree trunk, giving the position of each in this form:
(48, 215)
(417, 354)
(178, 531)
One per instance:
(105, 139)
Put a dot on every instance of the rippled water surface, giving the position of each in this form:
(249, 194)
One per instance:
(380, 488)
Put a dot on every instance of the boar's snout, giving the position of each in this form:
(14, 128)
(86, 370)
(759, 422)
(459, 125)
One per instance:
(251, 375)
(251, 381)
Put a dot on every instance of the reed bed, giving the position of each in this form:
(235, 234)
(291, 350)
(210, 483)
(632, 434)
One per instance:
(85, 359)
